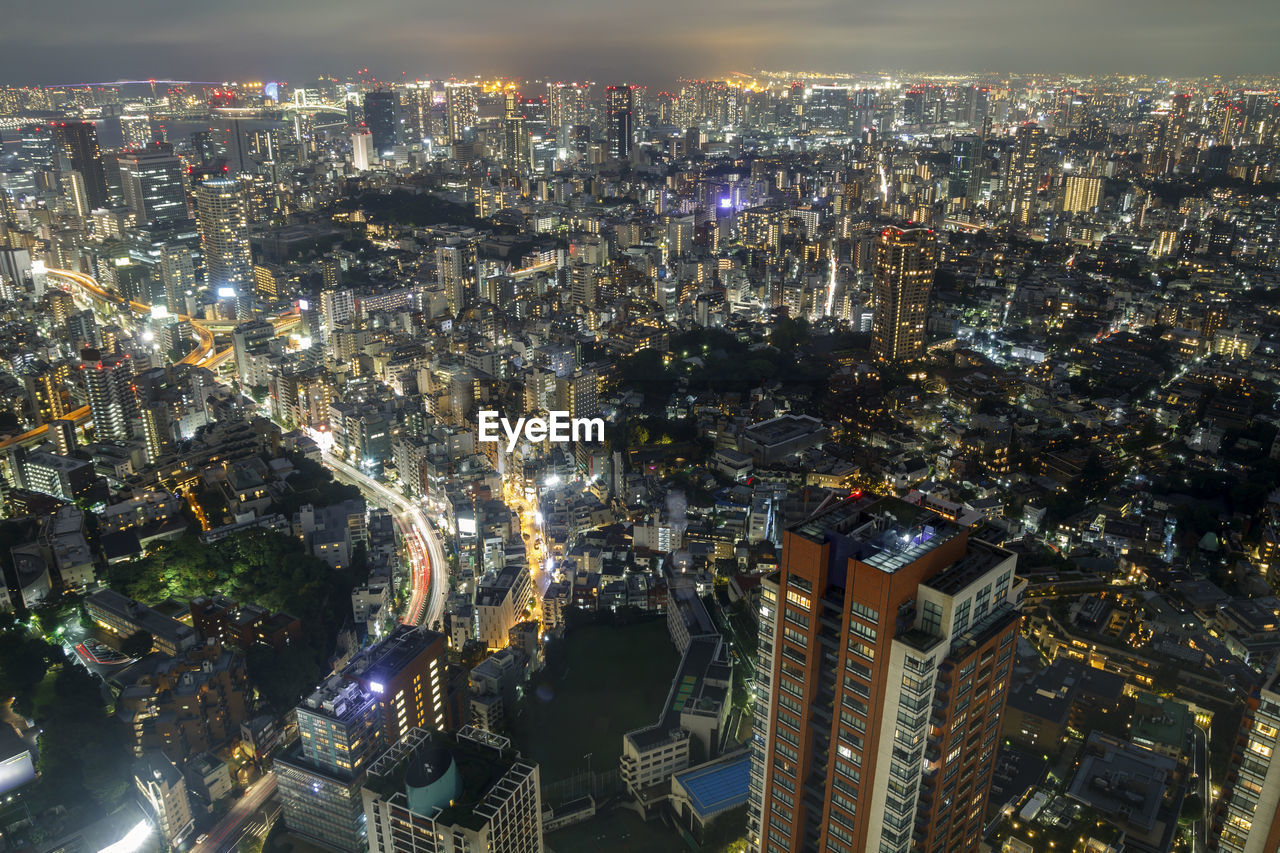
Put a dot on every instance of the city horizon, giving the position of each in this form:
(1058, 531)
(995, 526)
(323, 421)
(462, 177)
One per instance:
(760, 461)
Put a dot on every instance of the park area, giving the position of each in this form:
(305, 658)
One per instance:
(600, 682)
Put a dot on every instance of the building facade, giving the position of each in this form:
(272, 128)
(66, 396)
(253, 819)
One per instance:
(891, 652)
(905, 260)
(437, 793)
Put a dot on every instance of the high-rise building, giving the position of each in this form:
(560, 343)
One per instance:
(82, 330)
(336, 307)
(222, 212)
(228, 142)
(461, 109)
(1024, 172)
(405, 673)
(566, 107)
(905, 260)
(456, 272)
(1247, 819)
(177, 276)
(620, 105)
(382, 115)
(249, 339)
(136, 131)
(44, 392)
(339, 736)
(966, 169)
(75, 196)
(888, 636)
(828, 108)
(1080, 193)
(388, 690)
(108, 383)
(157, 428)
(151, 183)
(439, 793)
(516, 148)
(38, 150)
(79, 143)
(363, 154)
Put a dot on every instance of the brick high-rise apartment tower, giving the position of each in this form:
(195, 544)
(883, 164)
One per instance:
(886, 647)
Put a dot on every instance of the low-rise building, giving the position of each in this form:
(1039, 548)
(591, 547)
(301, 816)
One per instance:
(693, 716)
(193, 702)
(123, 617)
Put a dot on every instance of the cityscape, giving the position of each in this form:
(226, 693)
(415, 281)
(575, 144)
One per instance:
(765, 460)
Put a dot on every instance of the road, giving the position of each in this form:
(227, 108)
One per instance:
(429, 571)
(1200, 765)
(204, 355)
(227, 834)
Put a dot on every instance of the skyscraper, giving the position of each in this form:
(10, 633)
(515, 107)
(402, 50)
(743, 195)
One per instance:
(905, 260)
(1024, 172)
(136, 131)
(1081, 193)
(828, 107)
(79, 142)
(82, 330)
(222, 212)
(1247, 819)
(382, 115)
(620, 120)
(566, 106)
(456, 272)
(887, 644)
(74, 195)
(151, 182)
(516, 148)
(461, 109)
(363, 154)
(966, 169)
(108, 383)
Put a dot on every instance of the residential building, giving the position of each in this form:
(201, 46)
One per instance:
(892, 649)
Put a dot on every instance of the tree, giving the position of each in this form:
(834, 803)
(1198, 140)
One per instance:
(282, 677)
(1192, 809)
(84, 754)
(137, 644)
(24, 662)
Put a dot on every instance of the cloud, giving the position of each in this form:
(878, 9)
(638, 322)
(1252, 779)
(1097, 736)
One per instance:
(654, 42)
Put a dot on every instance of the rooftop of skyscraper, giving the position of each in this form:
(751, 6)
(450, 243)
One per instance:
(886, 533)
(383, 661)
(337, 698)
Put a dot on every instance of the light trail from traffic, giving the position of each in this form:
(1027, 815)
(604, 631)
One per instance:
(205, 353)
(244, 808)
(429, 572)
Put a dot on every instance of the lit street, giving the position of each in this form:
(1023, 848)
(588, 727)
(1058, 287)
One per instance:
(422, 545)
(228, 833)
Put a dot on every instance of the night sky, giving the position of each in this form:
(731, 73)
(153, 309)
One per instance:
(654, 41)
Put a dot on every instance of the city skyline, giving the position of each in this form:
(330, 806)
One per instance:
(569, 39)
(929, 500)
